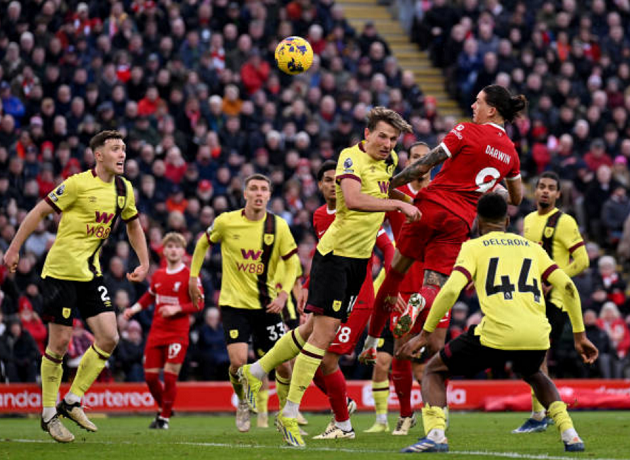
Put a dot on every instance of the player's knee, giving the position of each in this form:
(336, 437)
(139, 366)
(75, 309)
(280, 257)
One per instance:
(108, 342)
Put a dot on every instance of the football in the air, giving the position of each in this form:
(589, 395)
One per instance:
(294, 55)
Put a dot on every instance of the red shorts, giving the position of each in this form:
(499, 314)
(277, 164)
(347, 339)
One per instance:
(419, 324)
(155, 356)
(435, 239)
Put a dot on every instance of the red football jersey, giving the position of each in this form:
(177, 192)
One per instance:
(415, 276)
(322, 219)
(169, 288)
(480, 156)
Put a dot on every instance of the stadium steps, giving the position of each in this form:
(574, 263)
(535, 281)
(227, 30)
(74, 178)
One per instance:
(429, 78)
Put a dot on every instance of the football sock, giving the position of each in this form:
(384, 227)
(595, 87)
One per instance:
(558, 412)
(380, 393)
(262, 401)
(170, 391)
(320, 381)
(403, 380)
(346, 425)
(285, 349)
(380, 314)
(338, 395)
(238, 387)
(538, 410)
(434, 418)
(304, 369)
(282, 390)
(51, 371)
(155, 386)
(91, 365)
(429, 292)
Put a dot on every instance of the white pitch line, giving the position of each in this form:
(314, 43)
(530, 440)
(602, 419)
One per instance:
(332, 449)
(389, 451)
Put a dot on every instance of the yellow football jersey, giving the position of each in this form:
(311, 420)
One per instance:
(248, 281)
(507, 271)
(566, 240)
(353, 233)
(88, 206)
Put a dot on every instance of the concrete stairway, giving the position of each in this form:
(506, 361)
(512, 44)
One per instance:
(429, 78)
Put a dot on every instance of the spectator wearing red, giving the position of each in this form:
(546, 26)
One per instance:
(32, 323)
(612, 323)
(597, 156)
(149, 103)
(254, 72)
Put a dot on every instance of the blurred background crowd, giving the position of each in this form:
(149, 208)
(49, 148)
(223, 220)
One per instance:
(193, 86)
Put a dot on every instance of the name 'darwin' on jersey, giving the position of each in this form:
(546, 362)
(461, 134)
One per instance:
(498, 154)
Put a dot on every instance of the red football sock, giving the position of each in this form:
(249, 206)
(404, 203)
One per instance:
(403, 380)
(380, 314)
(429, 292)
(320, 381)
(337, 395)
(155, 386)
(170, 391)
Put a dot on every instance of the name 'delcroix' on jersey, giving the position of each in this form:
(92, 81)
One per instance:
(254, 267)
(104, 229)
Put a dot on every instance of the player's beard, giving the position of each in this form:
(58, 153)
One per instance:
(544, 205)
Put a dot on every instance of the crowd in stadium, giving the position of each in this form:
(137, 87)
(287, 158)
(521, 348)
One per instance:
(193, 87)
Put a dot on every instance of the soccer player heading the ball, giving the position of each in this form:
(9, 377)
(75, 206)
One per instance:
(339, 265)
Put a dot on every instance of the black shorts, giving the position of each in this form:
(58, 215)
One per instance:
(386, 342)
(264, 329)
(335, 284)
(63, 299)
(466, 356)
(557, 318)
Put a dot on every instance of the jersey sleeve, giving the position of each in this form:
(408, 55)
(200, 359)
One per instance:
(348, 166)
(515, 172)
(214, 232)
(62, 197)
(569, 233)
(545, 264)
(286, 242)
(466, 262)
(454, 140)
(129, 212)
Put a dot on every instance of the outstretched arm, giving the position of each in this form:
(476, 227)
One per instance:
(420, 167)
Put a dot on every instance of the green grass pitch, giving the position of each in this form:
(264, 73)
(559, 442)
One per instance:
(471, 435)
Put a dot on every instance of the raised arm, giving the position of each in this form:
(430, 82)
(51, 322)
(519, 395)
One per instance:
(420, 167)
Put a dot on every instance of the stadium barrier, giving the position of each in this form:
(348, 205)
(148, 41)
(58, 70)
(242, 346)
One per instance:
(506, 395)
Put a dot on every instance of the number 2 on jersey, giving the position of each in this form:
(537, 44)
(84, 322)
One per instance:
(506, 287)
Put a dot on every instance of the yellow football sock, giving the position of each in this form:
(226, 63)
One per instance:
(558, 412)
(238, 388)
(282, 390)
(433, 418)
(262, 401)
(380, 393)
(285, 349)
(304, 370)
(91, 365)
(52, 371)
(536, 406)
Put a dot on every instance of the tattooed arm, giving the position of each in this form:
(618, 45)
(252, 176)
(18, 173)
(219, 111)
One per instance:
(420, 167)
